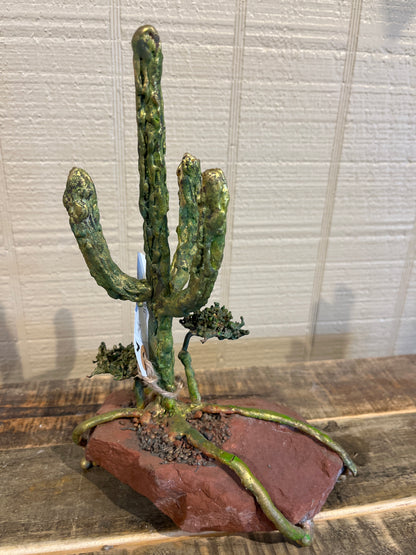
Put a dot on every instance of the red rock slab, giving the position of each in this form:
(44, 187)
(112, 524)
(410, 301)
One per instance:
(298, 472)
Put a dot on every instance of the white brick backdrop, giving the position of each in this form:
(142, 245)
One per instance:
(308, 106)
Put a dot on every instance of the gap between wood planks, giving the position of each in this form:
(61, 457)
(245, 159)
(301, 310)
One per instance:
(361, 416)
(72, 546)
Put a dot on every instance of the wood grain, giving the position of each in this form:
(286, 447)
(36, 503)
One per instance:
(324, 388)
(44, 413)
(48, 504)
(328, 539)
(53, 397)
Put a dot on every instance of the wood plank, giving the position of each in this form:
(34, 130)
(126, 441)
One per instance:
(23, 433)
(45, 413)
(384, 449)
(55, 397)
(317, 389)
(45, 495)
(388, 533)
(324, 388)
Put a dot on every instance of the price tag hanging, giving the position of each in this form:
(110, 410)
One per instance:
(141, 322)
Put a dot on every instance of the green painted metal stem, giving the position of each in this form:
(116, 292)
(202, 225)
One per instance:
(126, 412)
(303, 427)
(189, 191)
(154, 197)
(139, 393)
(209, 247)
(248, 480)
(185, 357)
(186, 360)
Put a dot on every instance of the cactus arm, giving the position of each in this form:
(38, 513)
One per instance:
(207, 260)
(189, 181)
(154, 197)
(80, 200)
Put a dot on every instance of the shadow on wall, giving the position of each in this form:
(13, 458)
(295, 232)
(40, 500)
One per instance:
(336, 318)
(332, 316)
(65, 347)
(65, 342)
(10, 364)
(65, 350)
(398, 17)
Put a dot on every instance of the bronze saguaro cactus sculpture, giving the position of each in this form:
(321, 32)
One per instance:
(172, 289)
(202, 220)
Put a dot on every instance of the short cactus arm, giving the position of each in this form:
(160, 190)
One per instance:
(154, 197)
(213, 204)
(80, 200)
(189, 181)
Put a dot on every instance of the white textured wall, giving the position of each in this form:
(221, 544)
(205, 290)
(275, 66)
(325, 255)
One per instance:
(308, 106)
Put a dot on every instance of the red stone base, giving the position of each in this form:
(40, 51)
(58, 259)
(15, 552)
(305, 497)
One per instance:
(298, 472)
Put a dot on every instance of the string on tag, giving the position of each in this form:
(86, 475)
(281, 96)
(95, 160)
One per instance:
(146, 372)
(152, 378)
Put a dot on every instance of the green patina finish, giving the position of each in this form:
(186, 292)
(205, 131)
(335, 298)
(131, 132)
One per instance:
(80, 200)
(171, 289)
(177, 288)
(119, 361)
(214, 321)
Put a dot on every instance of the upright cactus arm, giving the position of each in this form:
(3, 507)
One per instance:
(189, 181)
(154, 197)
(80, 200)
(206, 262)
(203, 208)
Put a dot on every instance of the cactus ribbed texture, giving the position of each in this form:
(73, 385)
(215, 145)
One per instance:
(171, 289)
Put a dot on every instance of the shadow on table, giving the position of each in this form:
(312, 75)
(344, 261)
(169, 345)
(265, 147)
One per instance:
(113, 506)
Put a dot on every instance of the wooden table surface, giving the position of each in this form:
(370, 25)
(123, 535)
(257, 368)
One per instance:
(49, 505)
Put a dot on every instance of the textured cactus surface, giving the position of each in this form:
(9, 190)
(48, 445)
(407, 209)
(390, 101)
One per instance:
(171, 288)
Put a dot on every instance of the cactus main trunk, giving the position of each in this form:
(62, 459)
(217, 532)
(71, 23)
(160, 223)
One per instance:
(154, 196)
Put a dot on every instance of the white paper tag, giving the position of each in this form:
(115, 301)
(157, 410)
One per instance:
(141, 321)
